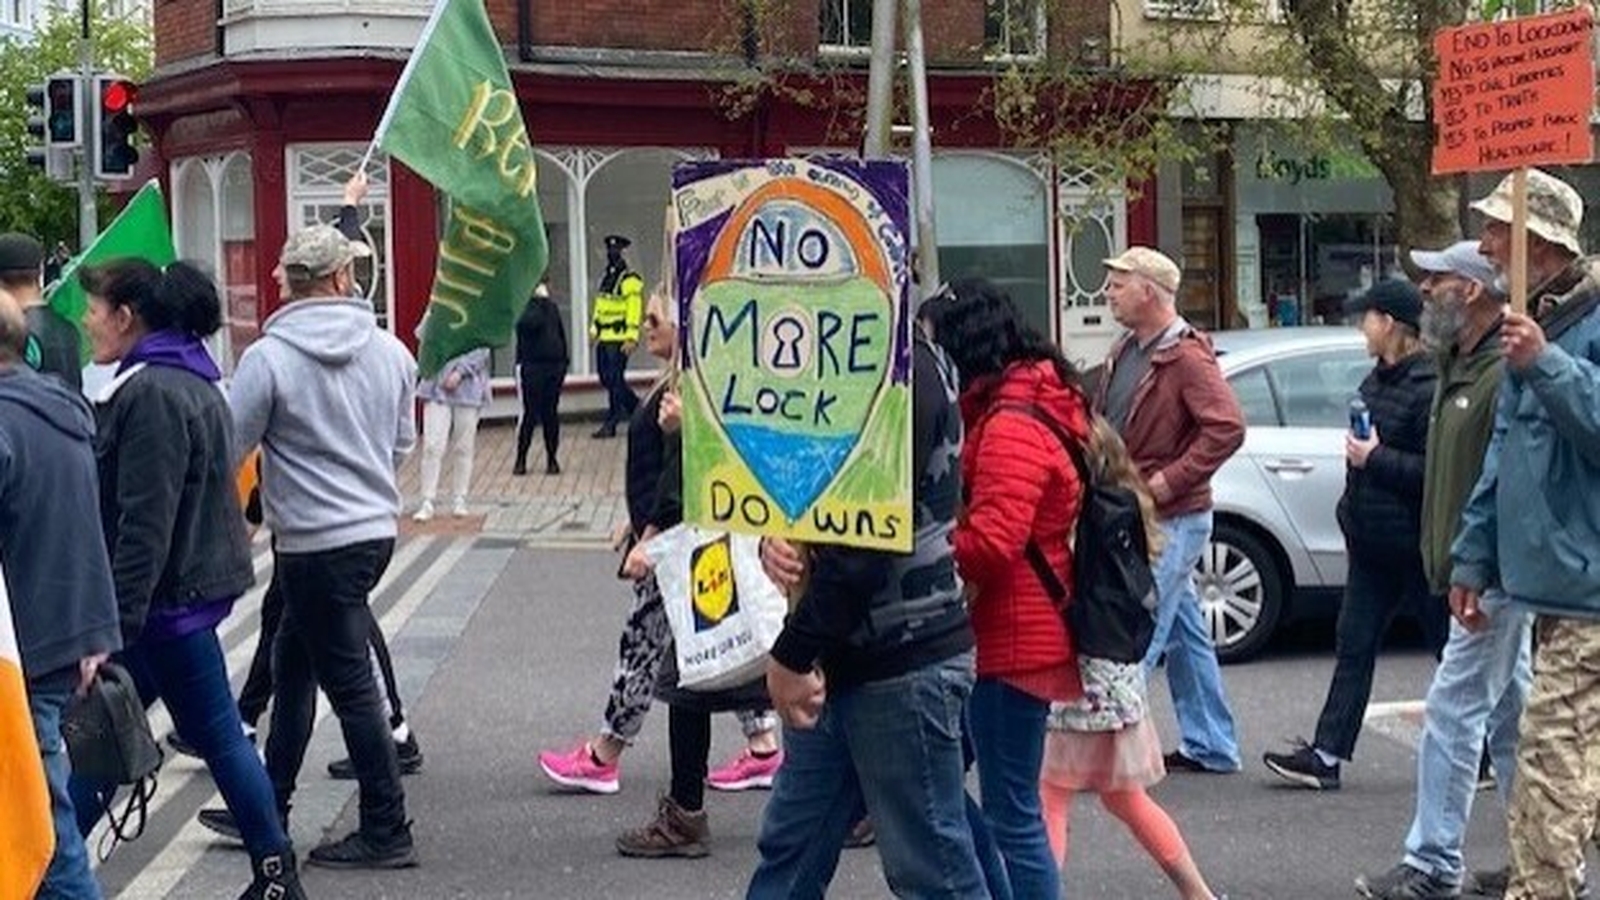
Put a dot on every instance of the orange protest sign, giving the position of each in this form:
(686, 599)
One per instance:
(1514, 93)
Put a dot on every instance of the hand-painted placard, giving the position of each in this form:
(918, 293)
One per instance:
(1514, 93)
(792, 279)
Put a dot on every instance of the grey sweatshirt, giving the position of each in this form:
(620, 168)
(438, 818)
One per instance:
(327, 395)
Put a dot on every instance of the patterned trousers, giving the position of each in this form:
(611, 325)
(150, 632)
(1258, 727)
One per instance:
(645, 640)
(1554, 801)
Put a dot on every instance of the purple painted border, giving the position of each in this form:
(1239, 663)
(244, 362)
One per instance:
(888, 183)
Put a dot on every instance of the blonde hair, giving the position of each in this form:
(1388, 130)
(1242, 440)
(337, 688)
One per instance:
(1112, 464)
(669, 319)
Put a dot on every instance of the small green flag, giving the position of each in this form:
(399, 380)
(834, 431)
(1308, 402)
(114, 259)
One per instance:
(140, 231)
(454, 119)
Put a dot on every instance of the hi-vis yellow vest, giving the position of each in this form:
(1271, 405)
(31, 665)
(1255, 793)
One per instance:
(617, 315)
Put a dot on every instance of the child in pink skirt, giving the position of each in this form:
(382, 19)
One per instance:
(1104, 743)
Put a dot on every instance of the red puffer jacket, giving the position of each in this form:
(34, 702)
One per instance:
(1020, 484)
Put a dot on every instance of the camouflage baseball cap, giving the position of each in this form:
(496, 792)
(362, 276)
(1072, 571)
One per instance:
(320, 250)
(1555, 210)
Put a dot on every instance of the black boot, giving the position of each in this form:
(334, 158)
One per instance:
(552, 467)
(520, 468)
(275, 879)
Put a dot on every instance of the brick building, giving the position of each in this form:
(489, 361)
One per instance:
(261, 109)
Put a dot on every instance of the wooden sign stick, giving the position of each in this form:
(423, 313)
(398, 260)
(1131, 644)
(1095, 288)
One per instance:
(1519, 241)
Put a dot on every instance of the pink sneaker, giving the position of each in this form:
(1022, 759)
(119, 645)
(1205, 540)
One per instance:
(746, 771)
(577, 768)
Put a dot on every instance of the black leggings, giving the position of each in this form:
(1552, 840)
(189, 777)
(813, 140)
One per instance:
(257, 690)
(541, 396)
(689, 740)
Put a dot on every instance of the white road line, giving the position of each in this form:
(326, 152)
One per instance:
(158, 878)
(1394, 708)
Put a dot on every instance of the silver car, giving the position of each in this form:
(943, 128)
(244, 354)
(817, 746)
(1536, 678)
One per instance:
(1276, 549)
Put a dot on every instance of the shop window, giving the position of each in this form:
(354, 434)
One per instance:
(318, 174)
(236, 267)
(1014, 29)
(847, 26)
(994, 222)
(627, 194)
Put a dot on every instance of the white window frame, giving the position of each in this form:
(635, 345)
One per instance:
(861, 50)
(305, 191)
(215, 169)
(1003, 51)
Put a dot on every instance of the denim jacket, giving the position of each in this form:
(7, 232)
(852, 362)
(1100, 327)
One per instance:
(1533, 523)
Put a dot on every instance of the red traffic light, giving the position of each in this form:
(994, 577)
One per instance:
(117, 96)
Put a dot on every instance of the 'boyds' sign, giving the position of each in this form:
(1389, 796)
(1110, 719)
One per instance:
(793, 292)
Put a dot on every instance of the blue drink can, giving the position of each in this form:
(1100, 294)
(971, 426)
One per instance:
(1360, 419)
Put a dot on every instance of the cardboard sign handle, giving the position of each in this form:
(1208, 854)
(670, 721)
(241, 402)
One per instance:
(1519, 241)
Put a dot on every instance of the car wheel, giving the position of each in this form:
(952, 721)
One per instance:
(1241, 591)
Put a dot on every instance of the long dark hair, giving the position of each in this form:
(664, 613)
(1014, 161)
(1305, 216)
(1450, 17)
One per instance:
(179, 298)
(984, 334)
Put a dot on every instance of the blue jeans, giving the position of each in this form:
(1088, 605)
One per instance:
(68, 877)
(1477, 690)
(190, 675)
(894, 748)
(1008, 736)
(1193, 676)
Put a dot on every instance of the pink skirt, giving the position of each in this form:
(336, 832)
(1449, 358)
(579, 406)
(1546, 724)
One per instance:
(1103, 761)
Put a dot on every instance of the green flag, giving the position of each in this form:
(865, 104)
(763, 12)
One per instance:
(140, 231)
(454, 119)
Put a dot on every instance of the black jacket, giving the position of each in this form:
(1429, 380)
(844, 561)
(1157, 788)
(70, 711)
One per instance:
(56, 342)
(168, 501)
(870, 615)
(541, 340)
(653, 475)
(54, 558)
(1380, 512)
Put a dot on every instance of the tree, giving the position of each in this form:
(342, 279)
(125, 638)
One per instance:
(29, 201)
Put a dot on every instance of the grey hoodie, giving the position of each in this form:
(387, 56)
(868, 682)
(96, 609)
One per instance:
(327, 395)
(51, 546)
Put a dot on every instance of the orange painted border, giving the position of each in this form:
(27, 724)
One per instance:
(857, 230)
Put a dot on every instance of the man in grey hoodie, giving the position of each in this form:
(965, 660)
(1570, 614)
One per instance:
(327, 394)
(56, 570)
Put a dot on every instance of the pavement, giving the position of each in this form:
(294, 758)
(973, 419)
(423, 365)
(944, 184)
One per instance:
(503, 627)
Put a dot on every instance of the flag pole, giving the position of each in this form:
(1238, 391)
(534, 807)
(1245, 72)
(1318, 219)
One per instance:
(405, 77)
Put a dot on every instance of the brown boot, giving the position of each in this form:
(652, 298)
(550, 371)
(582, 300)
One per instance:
(673, 832)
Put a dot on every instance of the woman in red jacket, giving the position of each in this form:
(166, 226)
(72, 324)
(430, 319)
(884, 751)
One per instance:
(1021, 489)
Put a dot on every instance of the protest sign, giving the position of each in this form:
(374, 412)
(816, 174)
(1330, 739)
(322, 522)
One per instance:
(792, 280)
(1514, 93)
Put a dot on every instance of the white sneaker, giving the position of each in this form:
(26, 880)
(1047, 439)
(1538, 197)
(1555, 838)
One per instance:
(459, 508)
(424, 512)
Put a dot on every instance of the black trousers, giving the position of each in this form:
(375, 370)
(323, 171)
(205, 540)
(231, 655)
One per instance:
(322, 642)
(541, 399)
(689, 744)
(257, 690)
(612, 364)
(1376, 589)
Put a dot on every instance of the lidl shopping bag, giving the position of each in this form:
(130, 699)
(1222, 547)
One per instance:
(724, 611)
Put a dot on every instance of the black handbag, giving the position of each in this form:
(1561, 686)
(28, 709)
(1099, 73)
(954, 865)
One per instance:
(109, 742)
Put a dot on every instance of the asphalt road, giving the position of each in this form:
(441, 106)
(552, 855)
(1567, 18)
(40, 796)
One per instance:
(506, 649)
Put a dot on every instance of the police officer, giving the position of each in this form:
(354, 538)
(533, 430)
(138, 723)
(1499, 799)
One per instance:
(618, 309)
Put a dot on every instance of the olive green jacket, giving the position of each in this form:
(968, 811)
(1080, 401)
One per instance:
(1459, 427)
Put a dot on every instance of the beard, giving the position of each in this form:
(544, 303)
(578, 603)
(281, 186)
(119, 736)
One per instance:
(1444, 320)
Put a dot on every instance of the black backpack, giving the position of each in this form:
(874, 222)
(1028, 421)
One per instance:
(109, 742)
(1111, 610)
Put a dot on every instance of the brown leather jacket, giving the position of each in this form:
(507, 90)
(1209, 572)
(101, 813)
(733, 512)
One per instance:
(1184, 423)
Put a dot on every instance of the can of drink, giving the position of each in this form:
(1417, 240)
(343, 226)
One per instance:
(1360, 419)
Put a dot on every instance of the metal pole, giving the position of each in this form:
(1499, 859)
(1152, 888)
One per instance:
(88, 215)
(880, 80)
(921, 152)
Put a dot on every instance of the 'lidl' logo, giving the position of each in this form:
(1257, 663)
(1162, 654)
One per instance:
(715, 596)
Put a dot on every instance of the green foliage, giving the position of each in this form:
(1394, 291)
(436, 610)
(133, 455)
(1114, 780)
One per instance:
(29, 201)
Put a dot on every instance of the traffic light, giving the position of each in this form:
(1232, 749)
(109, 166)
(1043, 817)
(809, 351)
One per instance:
(38, 125)
(63, 106)
(115, 127)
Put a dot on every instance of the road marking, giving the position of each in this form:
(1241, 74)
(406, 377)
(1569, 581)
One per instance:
(1393, 708)
(158, 878)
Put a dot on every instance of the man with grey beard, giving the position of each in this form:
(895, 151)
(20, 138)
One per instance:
(1483, 676)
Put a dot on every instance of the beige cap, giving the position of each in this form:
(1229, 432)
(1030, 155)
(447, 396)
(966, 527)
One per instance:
(1555, 210)
(1151, 263)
